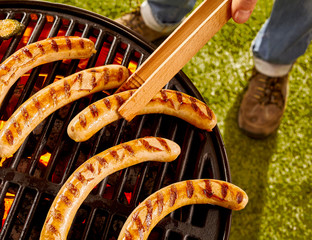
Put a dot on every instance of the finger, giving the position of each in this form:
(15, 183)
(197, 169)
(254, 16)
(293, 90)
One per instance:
(242, 9)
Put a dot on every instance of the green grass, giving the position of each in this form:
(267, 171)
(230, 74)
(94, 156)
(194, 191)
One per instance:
(274, 172)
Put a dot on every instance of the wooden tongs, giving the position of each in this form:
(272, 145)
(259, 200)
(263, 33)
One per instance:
(169, 58)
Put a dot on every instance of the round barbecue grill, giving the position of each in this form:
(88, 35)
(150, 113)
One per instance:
(31, 178)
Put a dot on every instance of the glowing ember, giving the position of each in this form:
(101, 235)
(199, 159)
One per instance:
(132, 66)
(8, 201)
(44, 159)
(128, 196)
(2, 124)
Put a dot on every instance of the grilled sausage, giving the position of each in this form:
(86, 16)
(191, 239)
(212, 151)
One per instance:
(90, 173)
(201, 191)
(41, 52)
(170, 102)
(53, 97)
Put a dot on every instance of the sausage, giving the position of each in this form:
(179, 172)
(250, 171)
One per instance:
(201, 191)
(41, 52)
(53, 97)
(89, 174)
(170, 102)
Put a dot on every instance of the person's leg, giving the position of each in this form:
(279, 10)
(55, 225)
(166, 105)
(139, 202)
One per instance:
(157, 18)
(283, 38)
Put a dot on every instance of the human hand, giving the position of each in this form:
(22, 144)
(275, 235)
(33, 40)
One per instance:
(242, 9)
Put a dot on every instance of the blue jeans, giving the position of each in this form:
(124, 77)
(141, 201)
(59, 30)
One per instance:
(283, 38)
(170, 11)
(286, 34)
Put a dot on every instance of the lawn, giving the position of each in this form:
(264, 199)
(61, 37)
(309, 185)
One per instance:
(274, 172)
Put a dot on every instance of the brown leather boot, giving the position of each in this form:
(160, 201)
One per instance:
(263, 105)
(135, 22)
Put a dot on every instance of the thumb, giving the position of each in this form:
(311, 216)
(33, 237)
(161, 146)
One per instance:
(242, 9)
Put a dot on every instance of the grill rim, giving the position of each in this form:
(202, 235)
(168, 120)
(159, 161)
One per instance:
(123, 32)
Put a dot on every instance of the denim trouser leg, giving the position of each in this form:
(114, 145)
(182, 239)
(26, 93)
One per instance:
(170, 11)
(165, 15)
(286, 34)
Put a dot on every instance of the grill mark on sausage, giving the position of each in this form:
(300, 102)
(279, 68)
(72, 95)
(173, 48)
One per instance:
(54, 45)
(93, 82)
(208, 190)
(25, 114)
(66, 200)
(16, 57)
(139, 224)
(224, 189)
(102, 161)
(128, 235)
(179, 97)
(79, 79)
(119, 100)
(149, 214)
(80, 177)
(94, 111)
(68, 42)
(189, 189)
(114, 154)
(239, 197)
(82, 120)
(9, 136)
(107, 103)
(120, 74)
(26, 51)
(106, 76)
(173, 195)
(128, 148)
(163, 143)
(37, 105)
(209, 113)
(164, 95)
(196, 108)
(17, 127)
(40, 47)
(90, 167)
(67, 89)
(52, 93)
(52, 229)
(160, 202)
(57, 215)
(148, 146)
(165, 98)
(82, 43)
(73, 189)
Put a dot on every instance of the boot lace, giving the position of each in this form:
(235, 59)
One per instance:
(271, 93)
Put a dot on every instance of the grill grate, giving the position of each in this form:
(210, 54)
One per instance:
(28, 185)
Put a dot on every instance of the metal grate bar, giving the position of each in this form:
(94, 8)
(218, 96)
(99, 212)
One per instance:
(112, 51)
(55, 27)
(8, 221)
(37, 29)
(27, 225)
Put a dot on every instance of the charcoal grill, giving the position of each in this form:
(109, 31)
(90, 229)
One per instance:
(31, 178)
